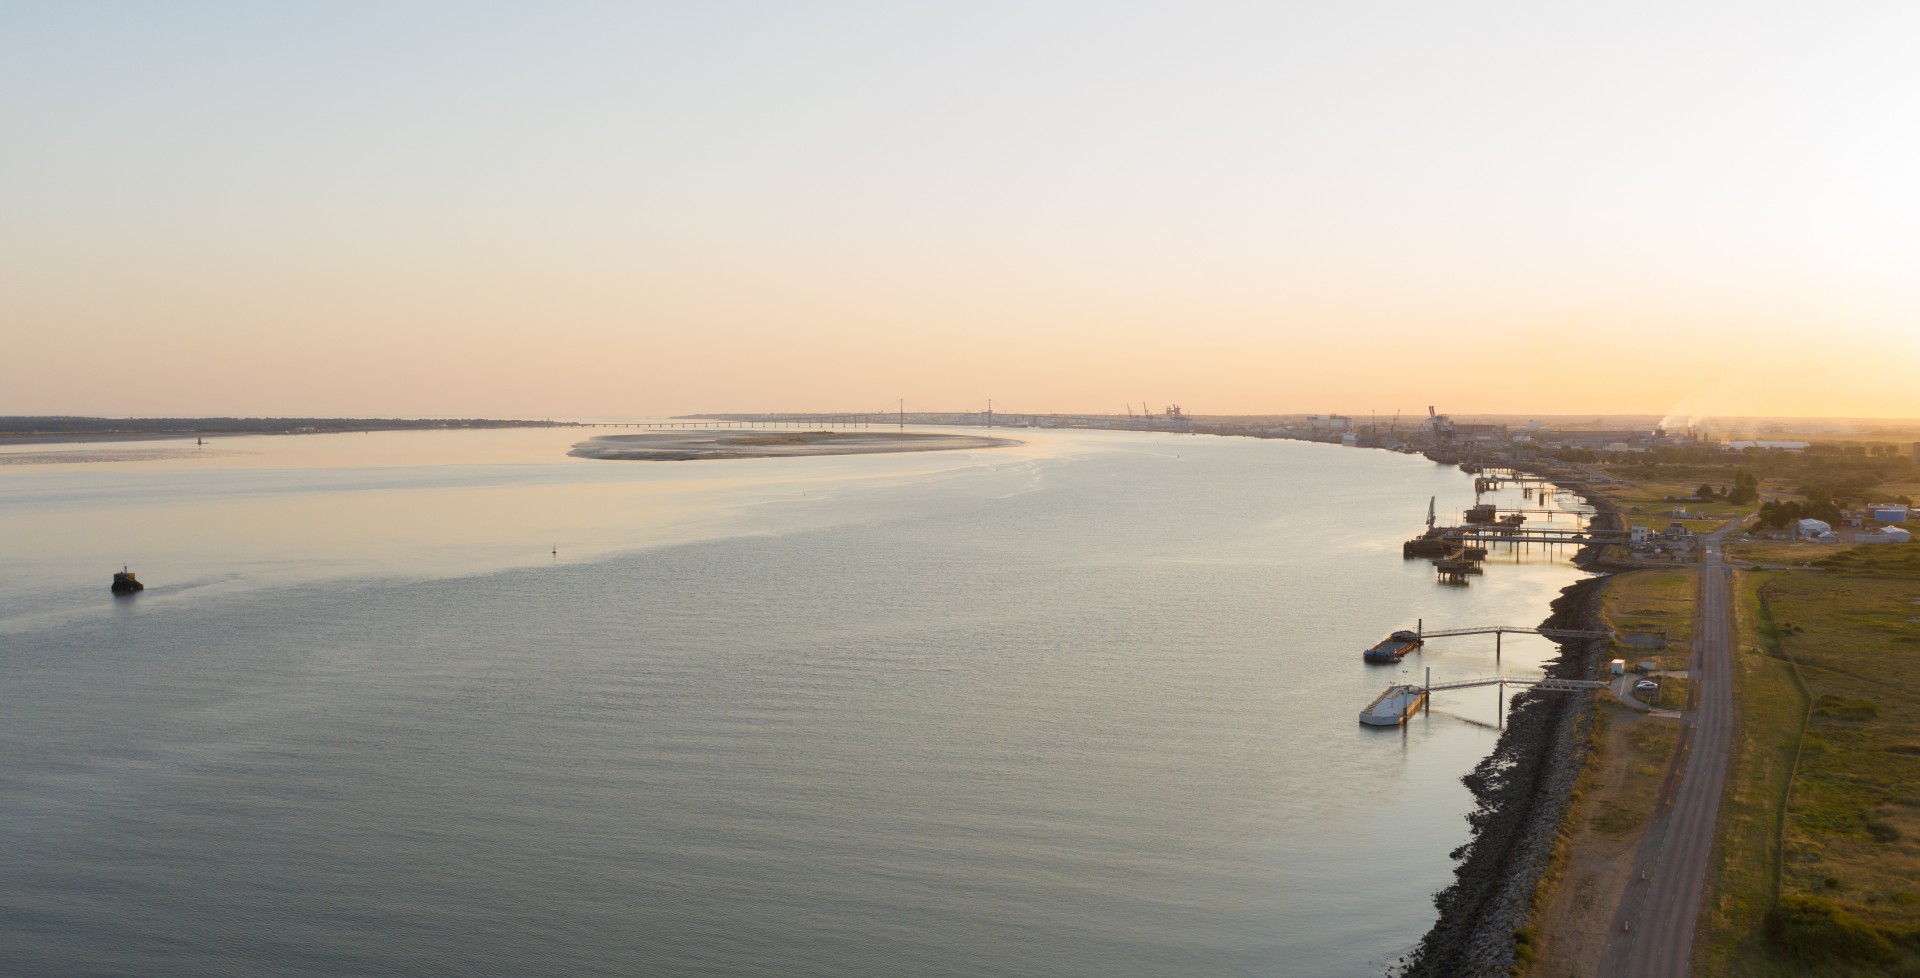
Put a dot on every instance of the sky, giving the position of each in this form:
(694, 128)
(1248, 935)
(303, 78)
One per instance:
(591, 210)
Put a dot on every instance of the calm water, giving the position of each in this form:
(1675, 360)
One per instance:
(1082, 707)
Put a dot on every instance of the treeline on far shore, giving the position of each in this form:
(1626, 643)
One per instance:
(64, 425)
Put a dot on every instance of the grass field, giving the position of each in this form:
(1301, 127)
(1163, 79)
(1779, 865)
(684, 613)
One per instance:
(1625, 787)
(1645, 503)
(1673, 693)
(1796, 553)
(1848, 838)
(1854, 815)
(1740, 889)
(1783, 551)
(1888, 560)
(1653, 601)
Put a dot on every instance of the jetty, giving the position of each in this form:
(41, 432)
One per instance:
(1486, 524)
(1454, 567)
(1408, 640)
(1400, 701)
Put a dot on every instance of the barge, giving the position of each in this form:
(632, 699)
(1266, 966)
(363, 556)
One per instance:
(1394, 647)
(1393, 707)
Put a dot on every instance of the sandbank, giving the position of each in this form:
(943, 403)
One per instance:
(693, 445)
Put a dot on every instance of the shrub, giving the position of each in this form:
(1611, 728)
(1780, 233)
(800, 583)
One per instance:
(1817, 932)
(1837, 707)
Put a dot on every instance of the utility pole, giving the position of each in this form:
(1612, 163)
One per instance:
(903, 415)
(989, 412)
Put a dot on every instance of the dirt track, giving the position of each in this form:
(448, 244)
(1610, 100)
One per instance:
(1654, 924)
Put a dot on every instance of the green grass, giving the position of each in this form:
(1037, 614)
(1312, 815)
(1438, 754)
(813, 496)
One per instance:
(1793, 552)
(1644, 503)
(1654, 600)
(1635, 776)
(1673, 693)
(1769, 707)
(1889, 560)
(1855, 808)
(1847, 840)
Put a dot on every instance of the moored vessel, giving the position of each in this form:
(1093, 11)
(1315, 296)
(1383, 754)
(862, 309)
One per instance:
(1392, 707)
(1394, 647)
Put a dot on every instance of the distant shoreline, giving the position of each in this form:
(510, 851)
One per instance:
(689, 446)
(52, 430)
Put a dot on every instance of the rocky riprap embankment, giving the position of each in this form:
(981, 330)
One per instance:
(1521, 793)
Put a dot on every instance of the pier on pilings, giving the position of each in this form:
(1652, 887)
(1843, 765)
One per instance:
(1393, 707)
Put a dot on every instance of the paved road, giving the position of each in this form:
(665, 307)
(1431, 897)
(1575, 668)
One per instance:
(1654, 927)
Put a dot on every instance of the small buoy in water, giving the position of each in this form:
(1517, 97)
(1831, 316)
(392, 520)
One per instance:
(556, 550)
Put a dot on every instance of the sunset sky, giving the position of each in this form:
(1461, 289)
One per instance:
(565, 210)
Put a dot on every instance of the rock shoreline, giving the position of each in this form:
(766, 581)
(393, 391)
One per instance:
(1521, 794)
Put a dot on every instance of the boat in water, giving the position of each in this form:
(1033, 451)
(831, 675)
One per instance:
(1394, 647)
(125, 583)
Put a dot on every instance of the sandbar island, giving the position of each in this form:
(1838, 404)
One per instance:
(686, 446)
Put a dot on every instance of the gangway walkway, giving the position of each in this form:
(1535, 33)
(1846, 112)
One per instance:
(1399, 702)
(1538, 682)
(1503, 629)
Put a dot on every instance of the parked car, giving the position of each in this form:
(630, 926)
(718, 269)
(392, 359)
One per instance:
(1646, 685)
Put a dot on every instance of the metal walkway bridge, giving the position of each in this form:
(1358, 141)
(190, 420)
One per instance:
(1503, 534)
(1538, 682)
(1399, 702)
(1503, 629)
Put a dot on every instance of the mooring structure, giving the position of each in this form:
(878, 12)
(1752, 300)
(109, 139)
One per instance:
(1398, 645)
(1393, 707)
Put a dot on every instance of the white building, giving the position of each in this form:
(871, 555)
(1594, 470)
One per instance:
(1885, 534)
(1819, 530)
